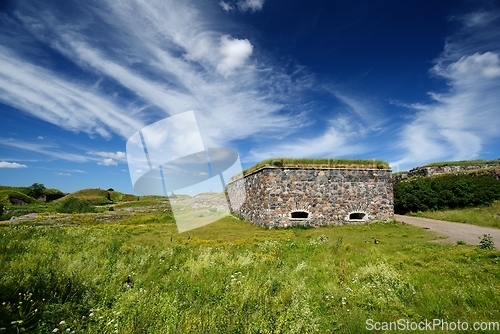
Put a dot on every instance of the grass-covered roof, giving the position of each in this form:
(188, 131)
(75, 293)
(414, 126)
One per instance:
(310, 162)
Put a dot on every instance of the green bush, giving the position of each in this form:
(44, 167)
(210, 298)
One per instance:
(486, 242)
(52, 194)
(36, 190)
(445, 192)
(75, 205)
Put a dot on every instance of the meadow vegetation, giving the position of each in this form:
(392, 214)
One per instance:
(139, 275)
(487, 216)
(82, 201)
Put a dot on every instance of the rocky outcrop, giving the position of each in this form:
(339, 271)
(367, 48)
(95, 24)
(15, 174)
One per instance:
(16, 201)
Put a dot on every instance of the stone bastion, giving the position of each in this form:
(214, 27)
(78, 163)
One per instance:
(316, 196)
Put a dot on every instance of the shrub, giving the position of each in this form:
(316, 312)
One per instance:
(52, 194)
(445, 192)
(36, 190)
(486, 242)
(75, 205)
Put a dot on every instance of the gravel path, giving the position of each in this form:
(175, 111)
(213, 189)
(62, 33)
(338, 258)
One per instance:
(454, 231)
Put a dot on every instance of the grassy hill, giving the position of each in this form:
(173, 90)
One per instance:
(6, 194)
(99, 196)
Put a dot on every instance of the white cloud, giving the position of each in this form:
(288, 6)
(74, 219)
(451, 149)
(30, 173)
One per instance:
(118, 155)
(40, 137)
(341, 139)
(234, 54)
(471, 69)
(62, 174)
(457, 123)
(6, 164)
(110, 158)
(242, 5)
(252, 5)
(226, 6)
(107, 162)
(479, 19)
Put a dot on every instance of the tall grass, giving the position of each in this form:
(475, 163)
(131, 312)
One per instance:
(140, 276)
(488, 216)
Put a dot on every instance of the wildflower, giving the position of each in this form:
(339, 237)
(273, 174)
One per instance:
(62, 322)
(55, 330)
(68, 330)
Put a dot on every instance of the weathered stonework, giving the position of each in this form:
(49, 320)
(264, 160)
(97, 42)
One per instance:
(427, 171)
(327, 196)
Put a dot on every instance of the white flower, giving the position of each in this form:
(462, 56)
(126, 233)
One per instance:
(55, 330)
(62, 322)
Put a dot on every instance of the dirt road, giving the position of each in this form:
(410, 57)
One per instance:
(454, 231)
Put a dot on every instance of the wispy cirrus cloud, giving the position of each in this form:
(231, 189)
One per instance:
(46, 149)
(457, 123)
(338, 140)
(62, 174)
(6, 164)
(52, 98)
(147, 69)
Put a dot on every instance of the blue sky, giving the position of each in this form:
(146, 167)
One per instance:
(409, 82)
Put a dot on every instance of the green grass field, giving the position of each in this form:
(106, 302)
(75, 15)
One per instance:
(488, 216)
(139, 275)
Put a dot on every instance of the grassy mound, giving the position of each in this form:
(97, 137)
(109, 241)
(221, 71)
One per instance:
(6, 195)
(94, 196)
(99, 196)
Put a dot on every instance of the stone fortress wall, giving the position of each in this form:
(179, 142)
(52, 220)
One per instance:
(286, 196)
(426, 171)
